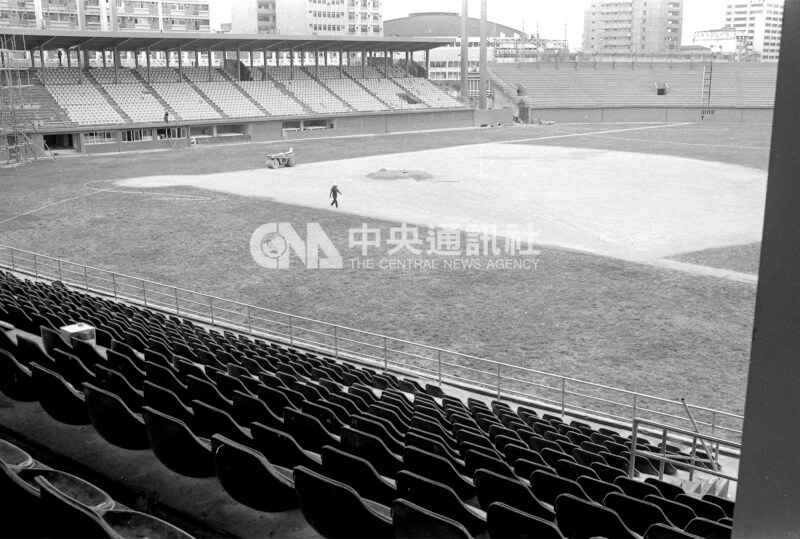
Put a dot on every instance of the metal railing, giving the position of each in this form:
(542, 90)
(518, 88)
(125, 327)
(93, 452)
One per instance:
(561, 394)
(693, 463)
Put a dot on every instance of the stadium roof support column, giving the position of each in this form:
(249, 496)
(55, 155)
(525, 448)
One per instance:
(115, 61)
(103, 54)
(80, 69)
(363, 64)
(291, 64)
(464, 49)
(341, 60)
(180, 64)
(41, 59)
(264, 71)
(408, 61)
(768, 492)
(197, 58)
(147, 58)
(316, 63)
(238, 65)
(428, 63)
(135, 59)
(386, 63)
(210, 63)
(250, 52)
(484, 66)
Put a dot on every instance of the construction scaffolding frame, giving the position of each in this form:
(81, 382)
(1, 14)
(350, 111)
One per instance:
(20, 140)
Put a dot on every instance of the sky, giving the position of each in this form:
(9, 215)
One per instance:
(554, 15)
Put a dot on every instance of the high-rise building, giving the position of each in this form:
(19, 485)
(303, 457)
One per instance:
(758, 25)
(115, 15)
(633, 26)
(306, 17)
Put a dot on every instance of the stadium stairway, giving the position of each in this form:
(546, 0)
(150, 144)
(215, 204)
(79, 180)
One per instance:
(280, 86)
(202, 94)
(367, 90)
(226, 76)
(138, 76)
(313, 77)
(90, 78)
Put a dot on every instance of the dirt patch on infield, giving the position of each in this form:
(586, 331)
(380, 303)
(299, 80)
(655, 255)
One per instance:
(384, 174)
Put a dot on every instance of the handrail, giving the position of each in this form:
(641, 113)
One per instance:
(562, 393)
(686, 435)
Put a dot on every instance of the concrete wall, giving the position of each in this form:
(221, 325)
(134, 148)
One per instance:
(492, 116)
(648, 114)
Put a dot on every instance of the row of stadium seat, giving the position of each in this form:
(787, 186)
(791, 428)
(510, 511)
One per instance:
(40, 501)
(351, 442)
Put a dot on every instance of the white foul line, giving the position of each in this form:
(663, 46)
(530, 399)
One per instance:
(569, 135)
(54, 204)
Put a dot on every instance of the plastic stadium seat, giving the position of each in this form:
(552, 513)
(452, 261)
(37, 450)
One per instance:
(635, 488)
(249, 409)
(726, 504)
(597, 489)
(309, 432)
(14, 457)
(580, 519)
(702, 509)
(507, 521)
(114, 382)
(668, 490)
(113, 420)
(281, 449)
(440, 499)
(359, 474)
(438, 469)
(475, 460)
(16, 380)
(370, 424)
(59, 399)
(552, 456)
(637, 514)
(73, 519)
(572, 470)
(371, 448)
(167, 402)
(72, 369)
(586, 458)
(662, 531)
(210, 420)
(176, 447)
(709, 529)
(203, 390)
(525, 467)
(433, 444)
(410, 521)
(335, 510)
(29, 351)
(491, 488)
(679, 514)
(549, 486)
(250, 478)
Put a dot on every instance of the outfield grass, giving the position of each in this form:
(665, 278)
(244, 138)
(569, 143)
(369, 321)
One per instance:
(641, 328)
(741, 258)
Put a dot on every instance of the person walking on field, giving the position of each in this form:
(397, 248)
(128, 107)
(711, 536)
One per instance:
(334, 193)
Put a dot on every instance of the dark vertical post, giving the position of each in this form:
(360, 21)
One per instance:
(115, 61)
(147, 58)
(484, 66)
(180, 64)
(464, 49)
(210, 64)
(238, 65)
(768, 494)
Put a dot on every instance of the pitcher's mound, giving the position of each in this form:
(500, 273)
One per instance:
(384, 174)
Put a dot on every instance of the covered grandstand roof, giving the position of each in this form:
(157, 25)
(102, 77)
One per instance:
(439, 24)
(23, 39)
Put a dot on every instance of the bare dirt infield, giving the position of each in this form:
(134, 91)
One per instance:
(663, 332)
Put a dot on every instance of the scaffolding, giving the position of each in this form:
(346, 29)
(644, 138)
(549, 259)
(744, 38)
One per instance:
(20, 140)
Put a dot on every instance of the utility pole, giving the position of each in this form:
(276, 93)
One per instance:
(484, 65)
(464, 50)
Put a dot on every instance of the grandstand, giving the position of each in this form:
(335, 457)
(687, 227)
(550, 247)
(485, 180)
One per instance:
(630, 85)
